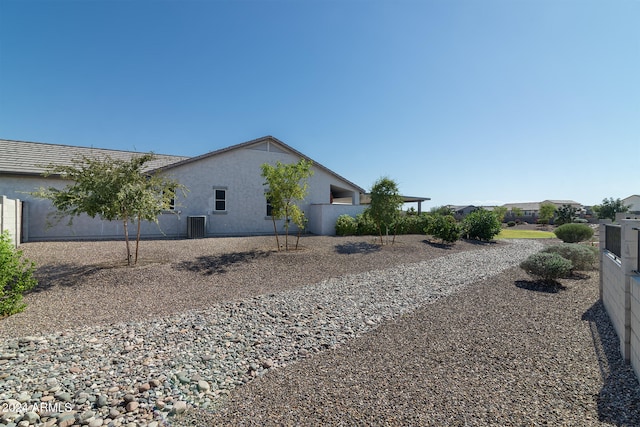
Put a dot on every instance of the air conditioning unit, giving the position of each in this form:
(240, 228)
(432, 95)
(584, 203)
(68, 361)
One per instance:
(196, 226)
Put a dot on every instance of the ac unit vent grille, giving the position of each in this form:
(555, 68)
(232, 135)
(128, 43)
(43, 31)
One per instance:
(196, 226)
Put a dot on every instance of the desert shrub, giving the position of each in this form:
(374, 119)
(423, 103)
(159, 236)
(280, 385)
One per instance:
(346, 225)
(412, 224)
(16, 277)
(547, 266)
(443, 227)
(543, 221)
(366, 225)
(511, 224)
(481, 225)
(573, 233)
(582, 257)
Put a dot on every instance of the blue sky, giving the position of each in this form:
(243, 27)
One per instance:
(466, 102)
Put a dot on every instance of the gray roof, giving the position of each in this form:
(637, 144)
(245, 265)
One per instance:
(562, 202)
(32, 158)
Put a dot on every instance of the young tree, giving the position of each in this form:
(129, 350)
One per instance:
(516, 212)
(385, 206)
(565, 214)
(547, 211)
(500, 212)
(112, 189)
(286, 185)
(609, 208)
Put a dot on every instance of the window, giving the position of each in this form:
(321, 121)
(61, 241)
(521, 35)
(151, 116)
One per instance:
(219, 199)
(171, 206)
(269, 208)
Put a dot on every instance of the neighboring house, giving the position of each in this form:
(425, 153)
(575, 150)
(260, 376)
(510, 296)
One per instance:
(460, 211)
(225, 191)
(633, 202)
(531, 210)
(528, 211)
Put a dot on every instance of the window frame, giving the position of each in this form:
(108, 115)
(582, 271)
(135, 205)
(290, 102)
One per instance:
(216, 200)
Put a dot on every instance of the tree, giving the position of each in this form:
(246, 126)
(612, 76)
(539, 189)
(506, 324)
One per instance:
(516, 212)
(481, 225)
(609, 208)
(565, 214)
(385, 206)
(500, 212)
(112, 189)
(547, 211)
(286, 185)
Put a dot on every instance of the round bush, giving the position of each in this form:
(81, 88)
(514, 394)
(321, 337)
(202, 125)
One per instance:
(582, 257)
(511, 224)
(443, 227)
(481, 225)
(547, 266)
(346, 225)
(573, 233)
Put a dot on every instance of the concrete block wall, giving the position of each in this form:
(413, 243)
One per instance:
(634, 356)
(10, 218)
(620, 290)
(613, 293)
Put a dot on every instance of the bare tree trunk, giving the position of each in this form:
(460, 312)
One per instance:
(126, 239)
(275, 231)
(135, 262)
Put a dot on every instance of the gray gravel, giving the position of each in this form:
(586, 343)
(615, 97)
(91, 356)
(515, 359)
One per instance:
(404, 345)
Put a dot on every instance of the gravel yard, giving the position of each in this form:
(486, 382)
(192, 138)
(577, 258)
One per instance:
(341, 332)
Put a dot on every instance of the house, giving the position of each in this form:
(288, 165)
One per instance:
(633, 202)
(225, 191)
(529, 211)
(460, 211)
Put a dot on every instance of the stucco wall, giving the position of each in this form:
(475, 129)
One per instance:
(38, 225)
(323, 217)
(10, 218)
(237, 171)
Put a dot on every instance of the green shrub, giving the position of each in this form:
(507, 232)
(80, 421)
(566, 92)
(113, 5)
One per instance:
(547, 266)
(511, 224)
(412, 224)
(366, 226)
(346, 225)
(580, 221)
(481, 225)
(573, 233)
(443, 227)
(582, 257)
(16, 277)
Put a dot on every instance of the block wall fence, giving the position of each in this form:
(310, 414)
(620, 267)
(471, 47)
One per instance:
(620, 285)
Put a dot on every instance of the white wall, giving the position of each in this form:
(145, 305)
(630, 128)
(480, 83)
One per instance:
(10, 218)
(38, 225)
(323, 217)
(239, 171)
